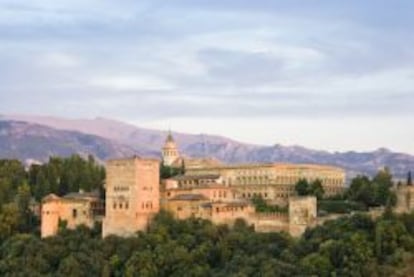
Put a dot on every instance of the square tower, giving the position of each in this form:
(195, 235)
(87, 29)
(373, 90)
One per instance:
(302, 214)
(132, 195)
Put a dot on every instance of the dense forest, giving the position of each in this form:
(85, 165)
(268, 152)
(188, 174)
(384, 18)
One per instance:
(355, 245)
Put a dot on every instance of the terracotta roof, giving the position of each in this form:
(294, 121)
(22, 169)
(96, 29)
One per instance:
(188, 197)
(50, 197)
(236, 203)
(292, 166)
(196, 177)
(81, 195)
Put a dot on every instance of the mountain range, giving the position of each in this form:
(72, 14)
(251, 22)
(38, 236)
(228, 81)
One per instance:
(35, 138)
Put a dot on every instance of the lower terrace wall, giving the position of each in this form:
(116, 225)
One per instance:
(270, 222)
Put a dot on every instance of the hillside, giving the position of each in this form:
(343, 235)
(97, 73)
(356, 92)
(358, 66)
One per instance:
(32, 142)
(114, 135)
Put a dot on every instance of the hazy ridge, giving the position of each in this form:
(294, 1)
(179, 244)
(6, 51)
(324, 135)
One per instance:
(37, 137)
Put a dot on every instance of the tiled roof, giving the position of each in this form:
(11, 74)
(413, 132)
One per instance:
(188, 197)
(81, 195)
(196, 177)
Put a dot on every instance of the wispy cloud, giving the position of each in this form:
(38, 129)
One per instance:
(207, 59)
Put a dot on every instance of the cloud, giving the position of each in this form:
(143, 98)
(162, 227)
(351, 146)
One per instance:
(60, 60)
(210, 59)
(137, 82)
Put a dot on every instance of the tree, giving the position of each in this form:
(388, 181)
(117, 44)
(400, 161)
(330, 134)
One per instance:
(23, 199)
(182, 170)
(372, 193)
(316, 189)
(302, 187)
(316, 264)
(168, 171)
(409, 181)
(9, 220)
(141, 264)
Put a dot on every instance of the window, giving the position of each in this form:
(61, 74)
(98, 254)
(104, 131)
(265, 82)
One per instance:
(126, 205)
(114, 206)
(74, 213)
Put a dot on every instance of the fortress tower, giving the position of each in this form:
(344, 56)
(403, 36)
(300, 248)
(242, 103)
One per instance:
(132, 195)
(170, 152)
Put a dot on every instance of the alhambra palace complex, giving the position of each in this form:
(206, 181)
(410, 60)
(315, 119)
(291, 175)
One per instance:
(208, 189)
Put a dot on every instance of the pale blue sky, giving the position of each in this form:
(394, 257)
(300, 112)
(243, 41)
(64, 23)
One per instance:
(335, 75)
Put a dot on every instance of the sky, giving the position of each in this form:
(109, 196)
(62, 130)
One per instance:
(332, 75)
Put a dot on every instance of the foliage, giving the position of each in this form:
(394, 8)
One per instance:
(303, 187)
(64, 175)
(170, 171)
(59, 176)
(372, 192)
(356, 245)
(12, 175)
(351, 246)
(340, 206)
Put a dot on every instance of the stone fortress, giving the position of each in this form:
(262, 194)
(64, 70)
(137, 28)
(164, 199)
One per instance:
(208, 189)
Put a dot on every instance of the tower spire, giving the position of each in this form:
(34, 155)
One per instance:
(170, 152)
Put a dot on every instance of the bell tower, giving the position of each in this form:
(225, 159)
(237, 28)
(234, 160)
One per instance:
(169, 151)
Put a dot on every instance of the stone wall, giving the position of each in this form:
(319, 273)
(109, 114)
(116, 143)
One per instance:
(74, 212)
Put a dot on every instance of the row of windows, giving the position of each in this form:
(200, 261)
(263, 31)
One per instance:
(252, 172)
(121, 188)
(250, 195)
(146, 206)
(229, 209)
(279, 180)
(219, 194)
(120, 205)
(196, 182)
(74, 213)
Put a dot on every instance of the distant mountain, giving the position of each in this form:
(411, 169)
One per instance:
(149, 142)
(30, 142)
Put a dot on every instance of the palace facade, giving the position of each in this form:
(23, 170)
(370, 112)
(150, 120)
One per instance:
(274, 182)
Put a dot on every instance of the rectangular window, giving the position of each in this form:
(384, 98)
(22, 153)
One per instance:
(74, 213)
